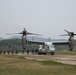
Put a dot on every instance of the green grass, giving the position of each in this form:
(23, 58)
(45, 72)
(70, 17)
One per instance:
(18, 65)
(51, 63)
(67, 52)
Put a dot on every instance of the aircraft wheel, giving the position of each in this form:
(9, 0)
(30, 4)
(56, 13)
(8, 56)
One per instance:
(44, 53)
(38, 53)
(52, 53)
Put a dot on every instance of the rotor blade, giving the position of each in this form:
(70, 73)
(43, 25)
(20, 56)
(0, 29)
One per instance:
(65, 35)
(74, 34)
(33, 34)
(67, 31)
(13, 33)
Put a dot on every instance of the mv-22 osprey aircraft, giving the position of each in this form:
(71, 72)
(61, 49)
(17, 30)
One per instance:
(45, 47)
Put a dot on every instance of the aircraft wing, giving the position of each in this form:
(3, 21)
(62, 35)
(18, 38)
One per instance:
(35, 42)
(60, 43)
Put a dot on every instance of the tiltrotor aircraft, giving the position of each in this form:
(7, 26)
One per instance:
(45, 47)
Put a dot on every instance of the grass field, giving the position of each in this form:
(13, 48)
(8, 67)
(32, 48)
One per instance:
(18, 65)
(67, 52)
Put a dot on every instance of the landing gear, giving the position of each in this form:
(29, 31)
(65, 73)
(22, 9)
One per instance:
(39, 53)
(52, 53)
(42, 53)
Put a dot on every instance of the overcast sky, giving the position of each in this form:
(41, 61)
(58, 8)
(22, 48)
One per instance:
(46, 17)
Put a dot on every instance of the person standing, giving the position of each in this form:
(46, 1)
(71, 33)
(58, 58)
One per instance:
(27, 51)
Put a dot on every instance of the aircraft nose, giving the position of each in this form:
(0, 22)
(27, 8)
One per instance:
(53, 49)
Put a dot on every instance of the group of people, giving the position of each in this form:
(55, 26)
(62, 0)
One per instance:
(16, 52)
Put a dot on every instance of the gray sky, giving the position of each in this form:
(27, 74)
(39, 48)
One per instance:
(46, 17)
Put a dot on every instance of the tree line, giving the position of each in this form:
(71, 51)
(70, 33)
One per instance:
(16, 44)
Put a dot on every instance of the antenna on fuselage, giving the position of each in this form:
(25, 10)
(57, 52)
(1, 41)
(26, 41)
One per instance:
(49, 39)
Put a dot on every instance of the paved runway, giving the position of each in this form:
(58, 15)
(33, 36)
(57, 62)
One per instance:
(63, 58)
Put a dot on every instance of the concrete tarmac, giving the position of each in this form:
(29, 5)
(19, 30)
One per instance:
(63, 58)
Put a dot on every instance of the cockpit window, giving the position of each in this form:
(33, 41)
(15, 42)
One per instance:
(51, 46)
